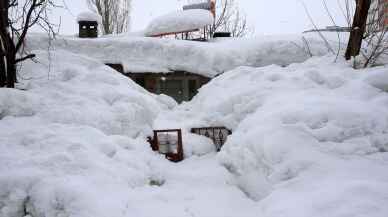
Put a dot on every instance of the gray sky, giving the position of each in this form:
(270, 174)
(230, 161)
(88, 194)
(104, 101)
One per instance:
(266, 16)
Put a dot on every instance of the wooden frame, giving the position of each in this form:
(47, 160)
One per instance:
(157, 145)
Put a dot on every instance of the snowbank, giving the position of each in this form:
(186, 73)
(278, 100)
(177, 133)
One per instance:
(180, 21)
(89, 16)
(139, 54)
(308, 140)
(72, 143)
(74, 85)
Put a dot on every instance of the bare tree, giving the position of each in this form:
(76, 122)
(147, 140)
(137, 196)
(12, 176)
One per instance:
(16, 19)
(229, 18)
(376, 34)
(316, 29)
(114, 13)
(374, 37)
(346, 7)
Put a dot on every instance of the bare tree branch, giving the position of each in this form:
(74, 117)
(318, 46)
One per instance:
(115, 14)
(16, 18)
(29, 56)
(230, 19)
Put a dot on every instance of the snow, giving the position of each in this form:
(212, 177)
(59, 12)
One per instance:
(309, 138)
(76, 132)
(179, 21)
(89, 16)
(140, 54)
(378, 80)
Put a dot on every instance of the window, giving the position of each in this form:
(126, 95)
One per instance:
(168, 143)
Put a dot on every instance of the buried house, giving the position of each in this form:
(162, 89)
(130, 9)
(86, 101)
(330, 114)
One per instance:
(177, 68)
(191, 23)
(180, 85)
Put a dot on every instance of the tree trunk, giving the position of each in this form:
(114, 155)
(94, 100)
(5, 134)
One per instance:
(11, 68)
(3, 24)
(7, 49)
(358, 28)
(3, 65)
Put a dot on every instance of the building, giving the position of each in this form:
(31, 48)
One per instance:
(180, 85)
(378, 14)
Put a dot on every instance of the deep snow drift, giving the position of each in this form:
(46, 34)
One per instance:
(310, 139)
(68, 144)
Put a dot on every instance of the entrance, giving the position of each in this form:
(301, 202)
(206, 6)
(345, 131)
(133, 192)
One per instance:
(173, 88)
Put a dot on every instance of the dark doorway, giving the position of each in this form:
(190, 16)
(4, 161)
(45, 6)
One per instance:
(173, 88)
(193, 88)
(140, 81)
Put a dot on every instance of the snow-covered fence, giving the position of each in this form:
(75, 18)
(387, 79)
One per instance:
(217, 134)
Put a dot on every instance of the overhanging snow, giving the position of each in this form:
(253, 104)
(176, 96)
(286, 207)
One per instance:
(154, 55)
(180, 21)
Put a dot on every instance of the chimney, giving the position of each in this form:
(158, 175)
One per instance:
(88, 24)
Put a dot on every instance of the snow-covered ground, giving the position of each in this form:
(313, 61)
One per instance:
(309, 139)
(68, 142)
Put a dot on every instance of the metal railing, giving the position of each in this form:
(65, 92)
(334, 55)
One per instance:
(217, 134)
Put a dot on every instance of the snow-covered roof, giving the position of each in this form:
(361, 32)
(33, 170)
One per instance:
(180, 21)
(154, 55)
(89, 16)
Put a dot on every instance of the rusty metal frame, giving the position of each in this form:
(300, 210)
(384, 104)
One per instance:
(173, 33)
(154, 142)
(214, 133)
